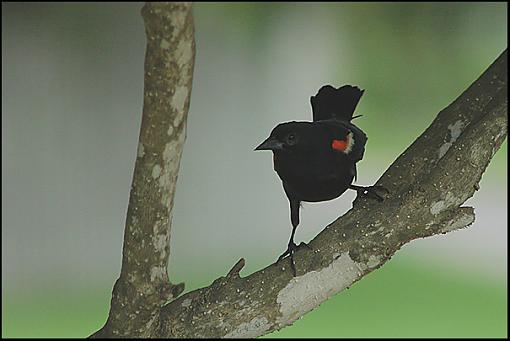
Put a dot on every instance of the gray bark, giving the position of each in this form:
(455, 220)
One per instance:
(427, 185)
(143, 286)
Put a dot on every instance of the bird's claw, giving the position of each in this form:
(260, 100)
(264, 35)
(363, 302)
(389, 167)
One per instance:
(372, 191)
(305, 245)
(291, 249)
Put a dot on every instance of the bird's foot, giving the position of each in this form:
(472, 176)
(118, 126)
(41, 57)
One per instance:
(291, 249)
(305, 245)
(375, 192)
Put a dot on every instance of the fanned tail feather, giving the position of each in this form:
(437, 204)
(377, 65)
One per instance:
(330, 103)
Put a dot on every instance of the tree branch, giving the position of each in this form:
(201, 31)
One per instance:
(143, 286)
(427, 185)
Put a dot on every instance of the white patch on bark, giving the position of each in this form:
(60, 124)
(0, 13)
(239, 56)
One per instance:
(373, 261)
(166, 180)
(455, 131)
(178, 100)
(164, 44)
(170, 151)
(160, 242)
(184, 52)
(158, 272)
(437, 207)
(170, 167)
(159, 227)
(478, 152)
(186, 303)
(444, 148)
(161, 237)
(256, 327)
(177, 18)
(141, 150)
(134, 224)
(441, 205)
(465, 220)
(170, 130)
(304, 293)
(156, 171)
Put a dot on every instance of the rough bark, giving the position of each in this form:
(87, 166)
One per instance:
(143, 286)
(427, 184)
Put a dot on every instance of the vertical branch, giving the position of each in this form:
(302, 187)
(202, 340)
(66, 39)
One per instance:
(143, 286)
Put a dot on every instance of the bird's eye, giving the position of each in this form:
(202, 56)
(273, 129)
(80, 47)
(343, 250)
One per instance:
(291, 139)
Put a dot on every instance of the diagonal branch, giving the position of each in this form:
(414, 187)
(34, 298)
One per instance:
(143, 286)
(427, 185)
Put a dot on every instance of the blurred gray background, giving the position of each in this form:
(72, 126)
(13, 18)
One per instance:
(72, 84)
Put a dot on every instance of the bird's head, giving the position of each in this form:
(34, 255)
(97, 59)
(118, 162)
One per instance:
(286, 137)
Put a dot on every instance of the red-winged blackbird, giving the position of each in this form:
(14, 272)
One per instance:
(316, 161)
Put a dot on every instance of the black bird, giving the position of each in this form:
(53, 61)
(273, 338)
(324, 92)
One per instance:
(316, 161)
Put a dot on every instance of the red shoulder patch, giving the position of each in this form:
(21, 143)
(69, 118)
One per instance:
(340, 145)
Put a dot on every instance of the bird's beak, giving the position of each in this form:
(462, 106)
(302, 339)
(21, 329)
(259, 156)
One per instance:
(270, 144)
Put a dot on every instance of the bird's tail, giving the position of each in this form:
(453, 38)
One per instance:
(339, 104)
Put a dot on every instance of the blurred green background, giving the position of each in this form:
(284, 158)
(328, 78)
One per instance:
(72, 84)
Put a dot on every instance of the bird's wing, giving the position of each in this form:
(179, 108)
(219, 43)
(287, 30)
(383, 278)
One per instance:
(352, 135)
(360, 140)
(330, 103)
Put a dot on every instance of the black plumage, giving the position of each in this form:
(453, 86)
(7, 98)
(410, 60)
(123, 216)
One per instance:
(316, 161)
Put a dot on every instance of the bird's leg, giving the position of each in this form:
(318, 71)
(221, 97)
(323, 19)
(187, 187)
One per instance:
(369, 191)
(292, 247)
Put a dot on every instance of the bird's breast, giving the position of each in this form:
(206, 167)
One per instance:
(314, 179)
